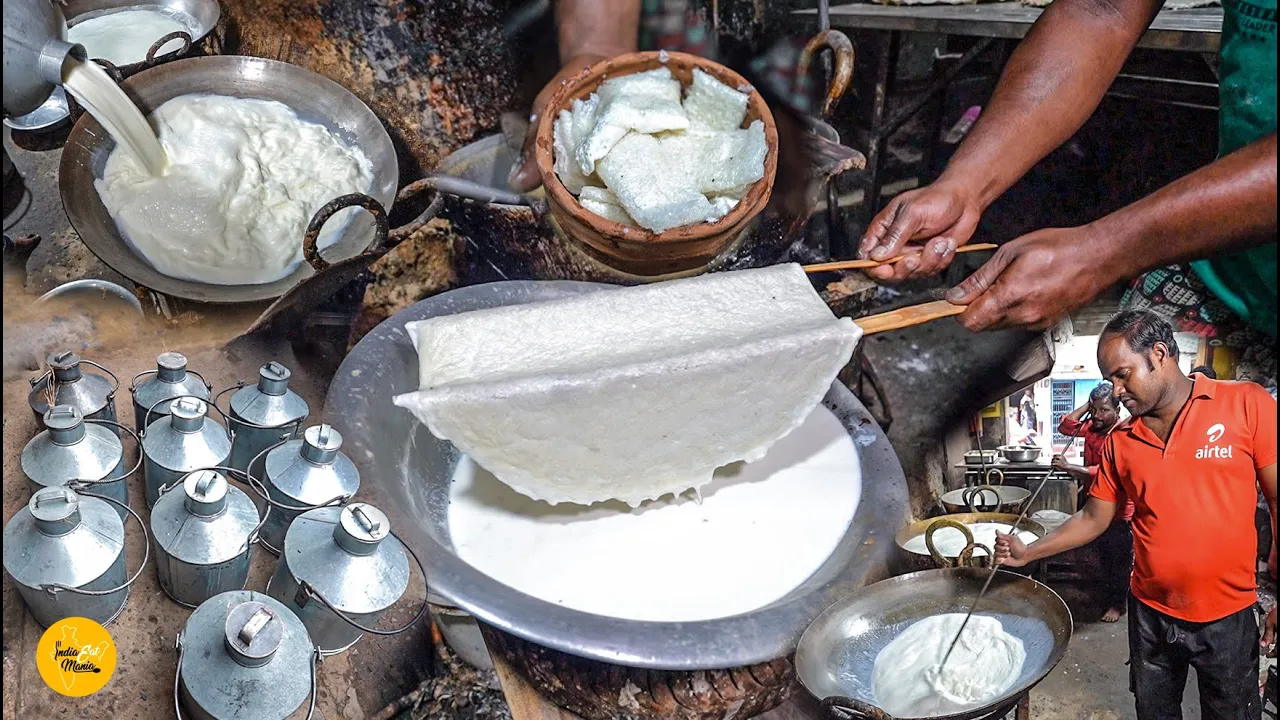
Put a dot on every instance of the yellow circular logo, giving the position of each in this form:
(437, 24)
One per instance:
(76, 657)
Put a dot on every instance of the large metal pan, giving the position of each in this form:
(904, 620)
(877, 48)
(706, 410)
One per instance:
(312, 96)
(835, 657)
(407, 472)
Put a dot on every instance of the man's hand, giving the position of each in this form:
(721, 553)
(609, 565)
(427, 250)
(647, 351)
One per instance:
(941, 216)
(1269, 634)
(524, 176)
(1060, 462)
(1010, 551)
(1035, 280)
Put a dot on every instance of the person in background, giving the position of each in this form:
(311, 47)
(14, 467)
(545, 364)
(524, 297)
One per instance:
(1204, 370)
(1190, 456)
(1116, 543)
(1027, 416)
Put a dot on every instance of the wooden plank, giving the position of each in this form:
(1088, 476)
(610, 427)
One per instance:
(525, 702)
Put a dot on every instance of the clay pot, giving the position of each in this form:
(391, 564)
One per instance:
(635, 249)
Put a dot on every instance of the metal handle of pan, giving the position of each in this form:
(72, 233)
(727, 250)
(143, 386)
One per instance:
(973, 496)
(154, 59)
(310, 249)
(842, 47)
(937, 525)
(846, 708)
(965, 558)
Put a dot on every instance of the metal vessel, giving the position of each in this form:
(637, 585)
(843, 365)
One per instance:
(910, 560)
(169, 380)
(66, 383)
(185, 441)
(204, 537)
(304, 474)
(264, 414)
(407, 473)
(837, 652)
(312, 96)
(35, 47)
(63, 542)
(348, 556)
(69, 449)
(244, 656)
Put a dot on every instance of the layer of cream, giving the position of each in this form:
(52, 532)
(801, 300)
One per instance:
(244, 178)
(907, 679)
(760, 531)
(124, 37)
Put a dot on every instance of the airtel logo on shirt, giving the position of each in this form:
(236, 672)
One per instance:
(1215, 434)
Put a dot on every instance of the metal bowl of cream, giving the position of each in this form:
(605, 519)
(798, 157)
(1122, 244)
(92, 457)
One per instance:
(313, 97)
(196, 18)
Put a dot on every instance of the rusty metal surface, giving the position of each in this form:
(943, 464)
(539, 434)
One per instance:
(436, 72)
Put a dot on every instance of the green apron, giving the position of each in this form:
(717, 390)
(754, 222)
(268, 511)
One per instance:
(1246, 281)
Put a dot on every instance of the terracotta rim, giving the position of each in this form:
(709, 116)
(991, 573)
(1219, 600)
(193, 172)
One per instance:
(582, 85)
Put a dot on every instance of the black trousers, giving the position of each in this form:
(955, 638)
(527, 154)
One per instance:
(1223, 652)
(1115, 545)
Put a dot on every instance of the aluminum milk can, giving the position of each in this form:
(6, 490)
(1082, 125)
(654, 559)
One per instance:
(92, 394)
(185, 441)
(263, 415)
(64, 538)
(247, 642)
(169, 380)
(305, 473)
(203, 533)
(348, 556)
(71, 449)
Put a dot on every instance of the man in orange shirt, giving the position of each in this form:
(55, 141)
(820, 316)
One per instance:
(1116, 543)
(1191, 458)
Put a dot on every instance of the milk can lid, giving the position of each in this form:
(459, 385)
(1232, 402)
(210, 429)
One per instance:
(253, 633)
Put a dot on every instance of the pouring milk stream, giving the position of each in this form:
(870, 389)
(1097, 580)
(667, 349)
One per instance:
(94, 89)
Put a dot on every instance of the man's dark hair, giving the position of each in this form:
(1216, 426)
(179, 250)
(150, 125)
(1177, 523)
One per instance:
(1141, 330)
(1206, 371)
(1104, 392)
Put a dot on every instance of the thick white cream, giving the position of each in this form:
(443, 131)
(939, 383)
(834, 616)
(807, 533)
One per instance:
(760, 531)
(909, 682)
(243, 180)
(124, 37)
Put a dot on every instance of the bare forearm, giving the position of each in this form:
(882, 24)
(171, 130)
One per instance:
(1051, 85)
(1225, 206)
(1081, 529)
(597, 27)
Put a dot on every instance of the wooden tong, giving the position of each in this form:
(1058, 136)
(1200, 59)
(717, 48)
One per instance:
(907, 316)
(863, 264)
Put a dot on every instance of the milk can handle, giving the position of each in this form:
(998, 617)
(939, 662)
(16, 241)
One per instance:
(136, 440)
(133, 384)
(177, 681)
(146, 419)
(231, 474)
(305, 590)
(845, 708)
(55, 588)
(249, 423)
(261, 489)
(115, 381)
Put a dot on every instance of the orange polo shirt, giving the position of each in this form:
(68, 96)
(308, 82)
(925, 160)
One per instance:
(1194, 542)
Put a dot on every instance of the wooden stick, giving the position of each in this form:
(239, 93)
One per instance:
(908, 316)
(863, 264)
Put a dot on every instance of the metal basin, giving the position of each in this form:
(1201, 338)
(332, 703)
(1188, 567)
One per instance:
(407, 472)
(908, 560)
(1019, 453)
(313, 97)
(200, 16)
(837, 653)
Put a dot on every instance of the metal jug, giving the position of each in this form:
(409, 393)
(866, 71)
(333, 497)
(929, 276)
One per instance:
(185, 441)
(65, 544)
(65, 383)
(244, 656)
(340, 569)
(170, 379)
(71, 449)
(35, 48)
(263, 415)
(304, 474)
(203, 536)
